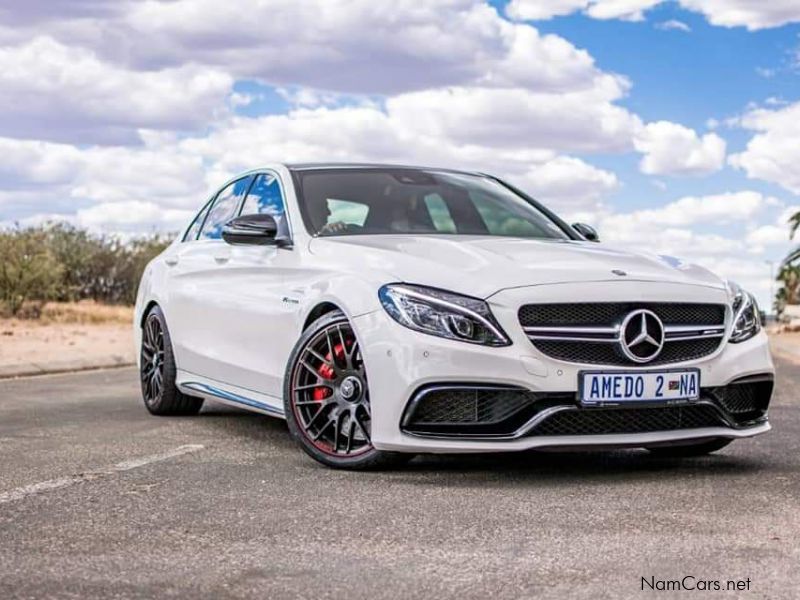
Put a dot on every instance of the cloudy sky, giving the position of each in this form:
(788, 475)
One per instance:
(672, 126)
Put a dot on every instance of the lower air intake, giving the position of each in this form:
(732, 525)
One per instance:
(475, 410)
(628, 420)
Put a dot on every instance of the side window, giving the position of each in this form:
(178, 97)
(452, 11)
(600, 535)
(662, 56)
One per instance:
(440, 214)
(194, 228)
(264, 197)
(224, 209)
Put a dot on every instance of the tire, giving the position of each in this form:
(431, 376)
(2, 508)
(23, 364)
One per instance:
(326, 398)
(689, 450)
(157, 371)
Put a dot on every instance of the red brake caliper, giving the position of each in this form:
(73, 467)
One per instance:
(326, 372)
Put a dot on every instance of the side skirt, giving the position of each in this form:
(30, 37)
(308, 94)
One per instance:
(196, 385)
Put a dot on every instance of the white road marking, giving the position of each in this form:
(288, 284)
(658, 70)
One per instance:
(62, 482)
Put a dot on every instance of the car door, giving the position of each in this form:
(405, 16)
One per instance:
(198, 305)
(260, 327)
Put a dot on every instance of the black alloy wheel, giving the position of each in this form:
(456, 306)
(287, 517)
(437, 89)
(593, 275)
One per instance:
(327, 397)
(157, 370)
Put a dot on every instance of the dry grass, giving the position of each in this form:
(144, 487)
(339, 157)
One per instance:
(85, 312)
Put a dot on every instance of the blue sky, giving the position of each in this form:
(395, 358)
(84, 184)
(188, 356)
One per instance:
(672, 126)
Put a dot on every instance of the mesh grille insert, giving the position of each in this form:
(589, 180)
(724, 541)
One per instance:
(469, 405)
(628, 420)
(596, 353)
(600, 314)
(477, 411)
(745, 400)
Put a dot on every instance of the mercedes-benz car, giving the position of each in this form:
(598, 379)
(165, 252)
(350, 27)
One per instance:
(386, 311)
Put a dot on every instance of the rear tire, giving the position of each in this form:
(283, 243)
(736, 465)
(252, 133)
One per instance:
(157, 370)
(689, 450)
(326, 398)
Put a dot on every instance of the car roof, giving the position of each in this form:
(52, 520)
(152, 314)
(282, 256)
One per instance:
(313, 166)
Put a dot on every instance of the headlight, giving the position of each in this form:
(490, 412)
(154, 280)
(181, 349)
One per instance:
(746, 317)
(443, 314)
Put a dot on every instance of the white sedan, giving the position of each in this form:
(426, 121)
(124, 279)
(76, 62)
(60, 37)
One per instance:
(385, 311)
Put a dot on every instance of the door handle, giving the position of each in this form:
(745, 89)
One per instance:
(222, 259)
(171, 261)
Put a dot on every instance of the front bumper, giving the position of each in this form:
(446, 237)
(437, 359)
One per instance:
(400, 362)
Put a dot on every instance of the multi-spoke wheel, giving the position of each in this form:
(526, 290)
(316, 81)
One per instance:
(157, 370)
(152, 360)
(327, 397)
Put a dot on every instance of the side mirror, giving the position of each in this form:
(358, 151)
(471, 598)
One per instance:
(257, 230)
(587, 231)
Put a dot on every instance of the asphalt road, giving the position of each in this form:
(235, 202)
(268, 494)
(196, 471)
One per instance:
(100, 500)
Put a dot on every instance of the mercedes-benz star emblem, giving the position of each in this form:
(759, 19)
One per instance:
(642, 336)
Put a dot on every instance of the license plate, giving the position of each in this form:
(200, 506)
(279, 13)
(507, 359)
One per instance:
(613, 388)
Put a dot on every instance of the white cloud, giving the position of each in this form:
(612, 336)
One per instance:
(767, 235)
(52, 176)
(752, 14)
(171, 65)
(672, 149)
(541, 10)
(568, 184)
(357, 46)
(773, 153)
(585, 120)
(673, 25)
(58, 92)
(688, 211)
(631, 10)
(132, 216)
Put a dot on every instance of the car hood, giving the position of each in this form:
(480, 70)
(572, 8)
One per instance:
(481, 266)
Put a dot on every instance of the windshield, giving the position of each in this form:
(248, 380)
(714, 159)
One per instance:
(412, 201)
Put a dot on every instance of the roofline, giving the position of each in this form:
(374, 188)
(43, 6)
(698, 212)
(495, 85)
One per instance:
(354, 165)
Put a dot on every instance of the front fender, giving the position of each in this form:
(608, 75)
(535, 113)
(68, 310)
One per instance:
(354, 296)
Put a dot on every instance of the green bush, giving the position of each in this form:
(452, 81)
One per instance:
(28, 269)
(64, 263)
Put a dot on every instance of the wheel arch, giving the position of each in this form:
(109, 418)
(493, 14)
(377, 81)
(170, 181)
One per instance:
(320, 309)
(148, 307)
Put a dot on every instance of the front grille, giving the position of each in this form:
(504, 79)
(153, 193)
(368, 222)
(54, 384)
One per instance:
(628, 420)
(593, 314)
(599, 345)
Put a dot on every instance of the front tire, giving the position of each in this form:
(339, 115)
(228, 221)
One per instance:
(689, 450)
(157, 370)
(326, 398)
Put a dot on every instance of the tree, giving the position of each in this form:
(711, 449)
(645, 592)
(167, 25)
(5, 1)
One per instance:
(794, 224)
(28, 269)
(789, 293)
